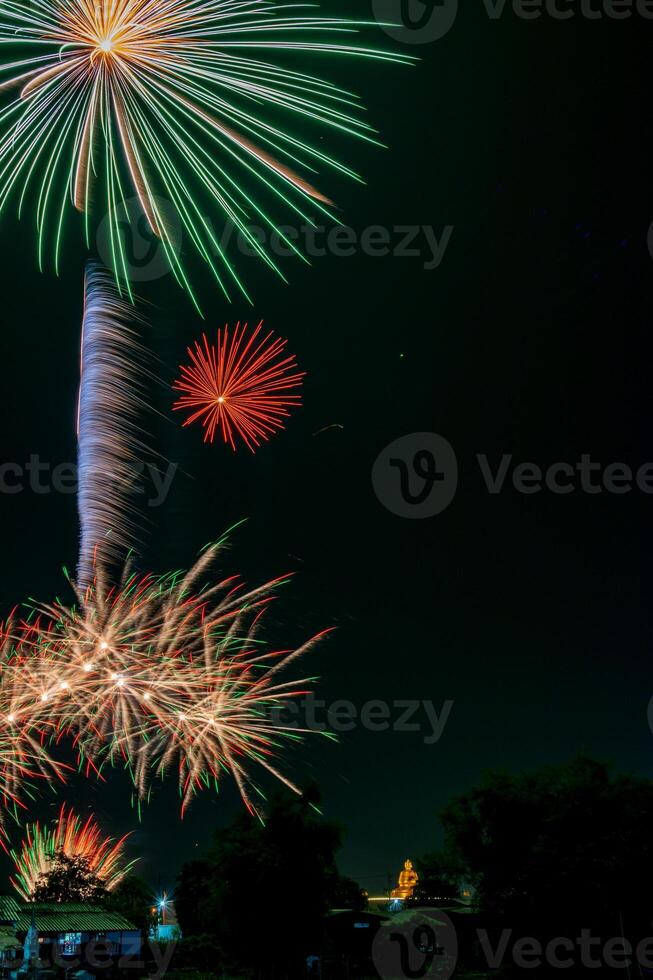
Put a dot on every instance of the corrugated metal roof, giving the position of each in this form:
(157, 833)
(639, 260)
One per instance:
(71, 917)
(58, 906)
(9, 908)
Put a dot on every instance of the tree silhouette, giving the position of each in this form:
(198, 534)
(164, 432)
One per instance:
(194, 885)
(263, 891)
(69, 879)
(564, 846)
(440, 877)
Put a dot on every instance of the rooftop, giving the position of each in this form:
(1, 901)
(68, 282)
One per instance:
(9, 908)
(62, 917)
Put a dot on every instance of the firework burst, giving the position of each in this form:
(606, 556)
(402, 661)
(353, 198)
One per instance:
(240, 387)
(162, 673)
(24, 761)
(191, 102)
(105, 856)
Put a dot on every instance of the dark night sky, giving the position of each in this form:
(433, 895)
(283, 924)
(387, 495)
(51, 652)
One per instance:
(531, 613)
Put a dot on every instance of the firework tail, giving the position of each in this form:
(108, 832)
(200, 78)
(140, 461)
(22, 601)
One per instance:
(109, 438)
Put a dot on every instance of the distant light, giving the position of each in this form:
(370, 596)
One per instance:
(64, 685)
(147, 696)
(106, 45)
(220, 399)
(86, 667)
(44, 697)
(11, 718)
(104, 645)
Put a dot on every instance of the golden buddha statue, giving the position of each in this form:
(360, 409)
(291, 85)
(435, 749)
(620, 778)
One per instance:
(408, 879)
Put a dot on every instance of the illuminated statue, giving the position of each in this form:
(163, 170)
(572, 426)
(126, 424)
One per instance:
(408, 879)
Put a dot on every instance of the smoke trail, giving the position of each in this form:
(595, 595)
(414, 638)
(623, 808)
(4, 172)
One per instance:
(109, 437)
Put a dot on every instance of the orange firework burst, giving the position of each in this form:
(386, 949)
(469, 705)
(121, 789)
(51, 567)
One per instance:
(69, 836)
(242, 386)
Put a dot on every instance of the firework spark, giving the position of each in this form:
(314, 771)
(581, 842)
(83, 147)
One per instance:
(240, 387)
(105, 856)
(23, 757)
(164, 673)
(171, 100)
(154, 674)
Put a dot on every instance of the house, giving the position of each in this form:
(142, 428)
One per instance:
(9, 942)
(165, 927)
(66, 934)
(9, 910)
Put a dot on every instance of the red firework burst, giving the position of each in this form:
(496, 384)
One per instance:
(242, 386)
